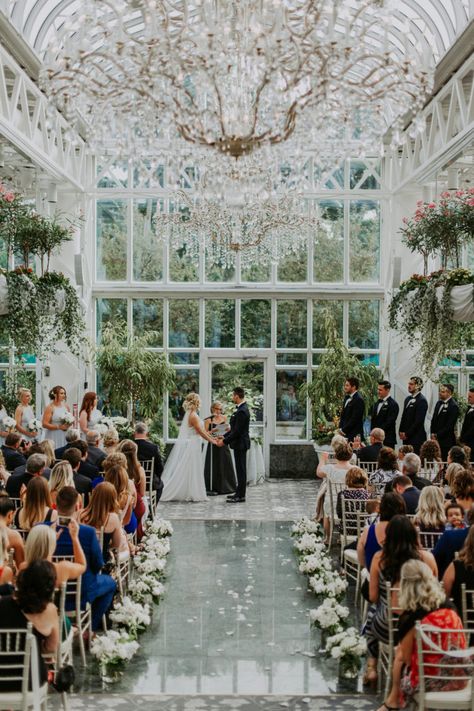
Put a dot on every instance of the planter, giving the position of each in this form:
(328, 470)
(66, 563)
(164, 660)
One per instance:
(60, 297)
(320, 448)
(462, 302)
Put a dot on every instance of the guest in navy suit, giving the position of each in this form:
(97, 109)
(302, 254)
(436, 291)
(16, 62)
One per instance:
(385, 413)
(467, 430)
(415, 407)
(351, 423)
(444, 419)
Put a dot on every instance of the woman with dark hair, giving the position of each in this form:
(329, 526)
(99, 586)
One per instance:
(460, 571)
(103, 513)
(401, 544)
(89, 415)
(31, 602)
(387, 467)
(57, 415)
(373, 536)
(136, 474)
(457, 455)
(430, 451)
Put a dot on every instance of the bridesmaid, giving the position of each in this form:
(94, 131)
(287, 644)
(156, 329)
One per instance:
(53, 415)
(219, 473)
(24, 413)
(89, 415)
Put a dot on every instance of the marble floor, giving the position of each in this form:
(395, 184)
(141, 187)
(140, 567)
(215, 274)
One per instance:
(232, 631)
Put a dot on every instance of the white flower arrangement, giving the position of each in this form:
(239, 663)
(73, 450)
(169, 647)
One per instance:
(114, 647)
(307, 544)
(100, 428)
(160, 547)
(348, 643)
(328, 584)
(159, 527)
(146, 589)
(67, 419)
(131, 615)
(8, 423)
(147, 563)
(34, 425)
(329, 615)
(307, 525)
(311, 564)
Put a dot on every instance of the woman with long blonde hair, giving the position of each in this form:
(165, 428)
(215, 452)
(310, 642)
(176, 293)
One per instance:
(110, 441)
(24, 414)
(41, 544)
(118, 477)
(430, 514)
(103, 513)
(61, 476)
(37, 505)
(136, 474)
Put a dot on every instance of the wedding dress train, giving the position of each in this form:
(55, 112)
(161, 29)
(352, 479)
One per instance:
(183, 475)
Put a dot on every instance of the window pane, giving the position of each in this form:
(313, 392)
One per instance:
(364, 324)
(217, 272)
(183, 265)
(187, 381)
(361, 176)
(148, 316)
(292, 267)
(322, 309)
(256, 323)
(291, 324)
(185, 358)
(147, 247)
(183, 323)
(255, 272)
(220, 323)
(292, 358)
(110, 310)
(112, 240)
(364, 254)
(290, 405)
(329, 242)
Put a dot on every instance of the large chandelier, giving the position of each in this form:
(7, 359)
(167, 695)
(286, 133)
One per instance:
(263, 229)
(232, 75)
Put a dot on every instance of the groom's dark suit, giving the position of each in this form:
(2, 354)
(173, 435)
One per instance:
(238, 439)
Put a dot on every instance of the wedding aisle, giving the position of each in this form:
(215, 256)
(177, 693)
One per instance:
(233, 630)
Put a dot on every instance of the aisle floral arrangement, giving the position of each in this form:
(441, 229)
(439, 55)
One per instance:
(329, 586)
(133, 614)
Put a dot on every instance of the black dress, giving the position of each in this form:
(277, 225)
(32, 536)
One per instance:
(13, 618)
(219, 473)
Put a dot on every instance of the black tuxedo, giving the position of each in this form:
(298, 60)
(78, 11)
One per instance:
(149, 450)
(352, 416)
(386, 419)
(443, 422)
(467, 430)
(13, 458)
(238, 439)
(369, 453)
(413, 420)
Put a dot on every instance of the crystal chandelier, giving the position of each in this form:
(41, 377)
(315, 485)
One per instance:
(232, 75)
(262, 229)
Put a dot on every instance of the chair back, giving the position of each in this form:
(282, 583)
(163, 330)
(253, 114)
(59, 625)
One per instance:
(18, 656)
(430, 470)
(18, 502)
(333, 490)
(354, 515)
(72, 599)
(443, 662)
(428, 540)
(467, 606)
(393, 613)
(368, 467)
(148, 466)
(377, 489)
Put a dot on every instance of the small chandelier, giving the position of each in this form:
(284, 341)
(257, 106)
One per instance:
(231, 75)
(263, 229)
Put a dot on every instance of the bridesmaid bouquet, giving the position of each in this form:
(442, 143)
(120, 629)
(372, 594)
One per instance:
(9, 423)
(34, 425)
(67, 419)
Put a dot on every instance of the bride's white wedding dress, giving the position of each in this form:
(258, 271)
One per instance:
(183, 475)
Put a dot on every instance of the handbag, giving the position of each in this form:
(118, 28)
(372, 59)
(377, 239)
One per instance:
(64, 678)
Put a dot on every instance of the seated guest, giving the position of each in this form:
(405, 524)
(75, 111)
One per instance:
(336, 471)
(136, 474)
(13, 458)
(15, 541)
(32, 602)
(6, 573)
(95, 455)
(61, 476)
(98, 589)
(72, 435)
(401, 545)
(460, 571)
(454, 517)
(387, 467)
(452, 470)
(149, 450)
(110, 441)
(356, 488)
(450, 543)
(457, 455)
(35, 466)
(41, 545)
(372, 451)
(102, 513)
(36, 448)
(37, 506)
(431, 515)
(430, 451)
(409, 493)
(373, 536)
(462, 489)
(421, 598)
(81, 483)
(125, 494)
(91, 471)
(403, 450)
(411, 466)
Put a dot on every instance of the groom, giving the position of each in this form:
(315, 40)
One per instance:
(238, 439)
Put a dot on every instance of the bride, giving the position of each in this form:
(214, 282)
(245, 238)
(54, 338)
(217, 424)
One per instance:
(183, 475)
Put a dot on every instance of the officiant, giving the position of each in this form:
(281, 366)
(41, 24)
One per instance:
(219, 473)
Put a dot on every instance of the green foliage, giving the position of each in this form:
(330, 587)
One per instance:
(16, 378)
(133, 376)
(41, 236)
(326, 389)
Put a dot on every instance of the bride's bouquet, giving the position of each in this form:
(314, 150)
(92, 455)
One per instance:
(34, 425)
(67, 419)
(9, 423)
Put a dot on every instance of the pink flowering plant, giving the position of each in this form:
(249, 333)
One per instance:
(442, 227)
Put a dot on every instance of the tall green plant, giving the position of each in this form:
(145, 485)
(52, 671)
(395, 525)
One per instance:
(325, 391)
(134, 377)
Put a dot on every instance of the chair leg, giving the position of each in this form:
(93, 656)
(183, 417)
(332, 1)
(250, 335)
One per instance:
(64, 701)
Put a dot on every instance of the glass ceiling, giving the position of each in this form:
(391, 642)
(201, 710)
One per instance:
(433, 23)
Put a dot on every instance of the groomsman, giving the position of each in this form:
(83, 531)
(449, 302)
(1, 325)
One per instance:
(412, 425)
(351, 423)
(385, 413)
(467, 431)
(444, 419)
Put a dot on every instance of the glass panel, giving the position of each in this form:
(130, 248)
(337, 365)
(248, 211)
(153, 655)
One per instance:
(112, 240)
(256, 272)
(470, 360)
(328, 265)
(187, 381)
(115, 175)
(471, 380)
(226, 375)
(293, 267)
(290, 405)
(292, 358)
(189, 358)
(291, 324)
(452, 361)
(110, 310)
(148, 175)
(364, 243)
(183, 323)
(357, 172)
(255, 323)
(369, 358)
(322, 309)
(220, 323)
(215, 272)
(183, 267)
(147, 247)
(364, 324)
(148, 316)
